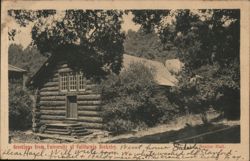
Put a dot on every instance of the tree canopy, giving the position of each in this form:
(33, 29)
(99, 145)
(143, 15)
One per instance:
(148, 45)
(90, 36)
(207, 42)
(29, 58)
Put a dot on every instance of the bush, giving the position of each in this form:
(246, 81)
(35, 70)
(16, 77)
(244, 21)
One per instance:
(228, 102)
(20, 108)
(132, 100)
(208, 87)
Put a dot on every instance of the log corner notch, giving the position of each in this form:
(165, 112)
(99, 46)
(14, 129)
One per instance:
(36, 113)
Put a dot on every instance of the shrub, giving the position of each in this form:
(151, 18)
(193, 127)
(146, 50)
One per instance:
(20, 108)
(209, 87)
(132, 100)
(228, 102)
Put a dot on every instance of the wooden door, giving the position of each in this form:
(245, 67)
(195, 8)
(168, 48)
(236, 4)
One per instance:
(72, 107)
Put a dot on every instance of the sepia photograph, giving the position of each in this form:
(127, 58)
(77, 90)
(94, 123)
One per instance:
(133, 76)
(111, 82)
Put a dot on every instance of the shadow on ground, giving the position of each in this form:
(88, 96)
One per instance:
(210, 133)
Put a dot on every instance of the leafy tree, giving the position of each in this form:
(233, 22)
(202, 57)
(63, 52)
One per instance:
(208, 43)
(149, 19)
(92, 39)
(29, 59)
(132, 100)
(24, 17)
(147, 45)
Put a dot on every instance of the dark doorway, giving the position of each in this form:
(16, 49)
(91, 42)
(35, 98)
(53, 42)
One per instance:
(71, 107)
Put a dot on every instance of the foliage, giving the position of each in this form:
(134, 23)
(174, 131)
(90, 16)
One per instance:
(92, 39)
(20, 108)
(147, 45)
(149, 19)
(132, 100)
(29, 59)
(24, 17)
(208, 45)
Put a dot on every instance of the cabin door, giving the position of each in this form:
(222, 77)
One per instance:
(71, 107)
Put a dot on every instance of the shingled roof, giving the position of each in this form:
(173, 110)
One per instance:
(162, 75)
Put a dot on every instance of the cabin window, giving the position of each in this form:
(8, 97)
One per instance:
(81, 81)
(63, 81)
(70, 81)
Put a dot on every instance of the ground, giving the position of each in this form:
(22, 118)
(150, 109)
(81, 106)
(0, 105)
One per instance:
(189, 129)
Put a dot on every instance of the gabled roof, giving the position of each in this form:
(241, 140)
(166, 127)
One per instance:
(162, 75)
(37, 77)
(15, 69)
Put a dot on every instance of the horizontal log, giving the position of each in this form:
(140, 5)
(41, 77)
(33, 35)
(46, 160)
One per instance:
(55, 78)
(59, 66)
(89, 102)
(90, 86)
(51, 98)
(52, 103)
(59, 93)
(54, 93)
(50, 89)
(86, 92)
(54, 112)
(53, 108)
(90, 119)
(50, 117)
(55, 74)
(50, 121)
(89, 108)
(89, 97)
(89, 113)
(87, 125)
(51, 84)
(64, 70)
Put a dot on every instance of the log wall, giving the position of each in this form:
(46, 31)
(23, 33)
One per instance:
(51, 106)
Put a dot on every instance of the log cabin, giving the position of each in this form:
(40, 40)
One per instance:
(67, 102)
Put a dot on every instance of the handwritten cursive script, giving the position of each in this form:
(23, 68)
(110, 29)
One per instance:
(126, 151)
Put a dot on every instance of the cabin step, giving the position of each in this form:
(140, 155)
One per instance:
(79, 131)
(63, 125)
(71, 129)
(57, 129)
(82, 134)
(57, 132)
(79, 128)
